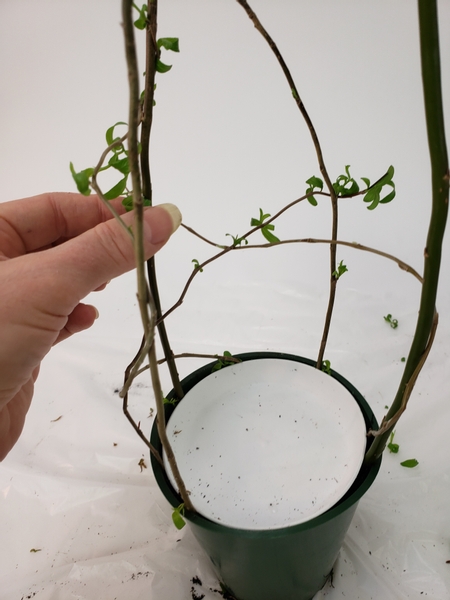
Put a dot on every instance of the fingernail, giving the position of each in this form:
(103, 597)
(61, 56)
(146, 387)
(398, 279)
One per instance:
(174, 213)
(97, 314)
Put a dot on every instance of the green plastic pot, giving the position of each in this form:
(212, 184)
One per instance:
(292, 563)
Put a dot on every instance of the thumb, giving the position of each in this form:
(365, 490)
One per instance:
(84, 263)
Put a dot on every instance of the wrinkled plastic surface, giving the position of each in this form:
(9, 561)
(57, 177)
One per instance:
(79, 518)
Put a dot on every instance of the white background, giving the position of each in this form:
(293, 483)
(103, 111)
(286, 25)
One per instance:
(227, 140)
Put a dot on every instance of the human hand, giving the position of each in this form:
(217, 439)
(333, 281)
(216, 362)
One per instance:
(54, 250)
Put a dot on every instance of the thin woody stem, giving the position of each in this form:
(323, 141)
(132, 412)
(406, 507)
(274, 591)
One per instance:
(403, 265)
(152, 54)
(145, 298)
(334, 205)
(440, 175)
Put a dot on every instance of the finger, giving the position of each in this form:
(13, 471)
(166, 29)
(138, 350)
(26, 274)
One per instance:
(101, 287)
(33, 223)
(67, 273)
(81, 318)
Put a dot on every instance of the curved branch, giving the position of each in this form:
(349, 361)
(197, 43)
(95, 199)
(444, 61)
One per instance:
(402, 265)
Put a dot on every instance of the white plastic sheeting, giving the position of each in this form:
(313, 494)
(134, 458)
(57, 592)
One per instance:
(79, 518)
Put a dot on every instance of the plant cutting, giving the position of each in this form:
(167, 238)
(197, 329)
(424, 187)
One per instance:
(128, 149)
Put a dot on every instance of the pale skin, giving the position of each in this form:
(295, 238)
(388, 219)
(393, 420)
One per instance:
(54, 250)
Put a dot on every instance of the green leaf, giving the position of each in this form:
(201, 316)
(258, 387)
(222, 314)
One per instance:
(266, 231)
(392, 322)
(172, 401)
(110, 139)
(82, 179)
(373, 195)
(197, 265)
(326, 367)
(410, 463)
(127, 202)
(222, 362)
(161, 67)
(366, 181)
(237, 241)
(169, 43)
(177, 517)
(141, 22)
(121, 164)
(394, 448)
(117, 189)
(340, 270)
(315, 182)
(345, 184)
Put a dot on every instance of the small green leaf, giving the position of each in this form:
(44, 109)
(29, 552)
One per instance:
(373, 194)
(410, 463)
(82, 179)
(366, 181)
(403, 359)
(117, 189)
(127, 202)
(141, 22)
(177, 517)
(345, 184)
(121, 164)
(267, 229)
(270, 237)
(394, 448)
(237, 241)
(169, 43)
(392, 322)
(172, 401)
(161, 67)
(110, 139)
(341, 269)
(315, 183)
(222, 362)
(326, 367)
(197, 265)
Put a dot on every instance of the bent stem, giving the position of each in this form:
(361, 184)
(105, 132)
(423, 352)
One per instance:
(334, 204)
(152, 54)
(144, 296)
(427, 319)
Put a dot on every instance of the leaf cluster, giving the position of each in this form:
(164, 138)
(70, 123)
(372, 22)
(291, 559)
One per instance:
(266, 230)
(341, 269)
(223, 362)
(237, 241)
(346, 186)
(392, 322)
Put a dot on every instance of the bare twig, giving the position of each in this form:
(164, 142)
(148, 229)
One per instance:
(403, 265)
(144, 296)
(95, 186)
(334, 204)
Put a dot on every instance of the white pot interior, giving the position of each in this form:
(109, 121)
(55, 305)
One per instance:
(267, 443)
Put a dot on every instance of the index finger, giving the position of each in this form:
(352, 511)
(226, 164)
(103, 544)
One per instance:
(37, 222)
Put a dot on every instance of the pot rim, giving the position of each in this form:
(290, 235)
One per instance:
(362, 483)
